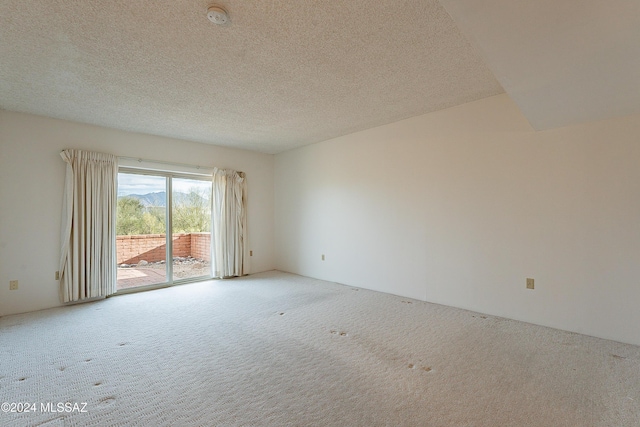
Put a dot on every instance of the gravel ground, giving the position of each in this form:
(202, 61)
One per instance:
(183, 267)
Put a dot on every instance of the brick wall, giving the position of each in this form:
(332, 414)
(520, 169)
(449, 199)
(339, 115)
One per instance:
(201, 245)
(181, 245)
(152, 247)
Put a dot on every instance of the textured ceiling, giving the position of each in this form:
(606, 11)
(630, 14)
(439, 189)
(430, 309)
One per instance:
(282, 74)
(562, 62)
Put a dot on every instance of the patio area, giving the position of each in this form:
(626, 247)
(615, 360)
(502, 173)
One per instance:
(141, 258)
(155, 273)
(135, 277)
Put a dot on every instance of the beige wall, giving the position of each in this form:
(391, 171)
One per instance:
(456, 207)
(460, 206)
(31, 188)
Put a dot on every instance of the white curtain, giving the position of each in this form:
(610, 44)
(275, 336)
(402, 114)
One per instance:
(88, 259)
(229, 230)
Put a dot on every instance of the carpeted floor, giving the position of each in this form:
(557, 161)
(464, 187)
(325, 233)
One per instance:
(275, 349)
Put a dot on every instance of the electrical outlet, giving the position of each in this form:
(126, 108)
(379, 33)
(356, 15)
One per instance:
(323, 257)
(57, 275)
(250, 253)
(530, 283)
(13, 285)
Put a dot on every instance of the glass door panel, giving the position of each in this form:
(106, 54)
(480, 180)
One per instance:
(141, 230)
(191, 225)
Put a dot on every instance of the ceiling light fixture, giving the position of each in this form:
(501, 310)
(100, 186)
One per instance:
(217, 15)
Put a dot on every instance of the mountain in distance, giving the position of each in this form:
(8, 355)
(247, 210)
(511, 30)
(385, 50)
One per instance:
(159, 198)
(149, 199)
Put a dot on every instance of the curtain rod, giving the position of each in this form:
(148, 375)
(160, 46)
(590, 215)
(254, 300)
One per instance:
(160, 162)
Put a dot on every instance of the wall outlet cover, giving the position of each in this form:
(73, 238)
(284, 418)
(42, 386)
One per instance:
(530, 283)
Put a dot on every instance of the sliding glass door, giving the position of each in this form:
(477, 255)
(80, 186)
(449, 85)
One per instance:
(191, 225)
(163, 229)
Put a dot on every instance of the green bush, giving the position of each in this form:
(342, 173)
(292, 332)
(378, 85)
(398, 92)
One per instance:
(191, 213)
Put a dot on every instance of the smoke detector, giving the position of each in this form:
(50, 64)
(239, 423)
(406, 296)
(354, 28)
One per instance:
(217, 15)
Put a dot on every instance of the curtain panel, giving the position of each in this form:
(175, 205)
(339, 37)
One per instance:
(229, 228)
(88, 256)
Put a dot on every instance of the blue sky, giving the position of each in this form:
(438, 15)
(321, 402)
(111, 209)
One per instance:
(144, 184)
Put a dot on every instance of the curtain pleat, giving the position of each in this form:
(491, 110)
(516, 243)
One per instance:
(88, 258)
(228, 243)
